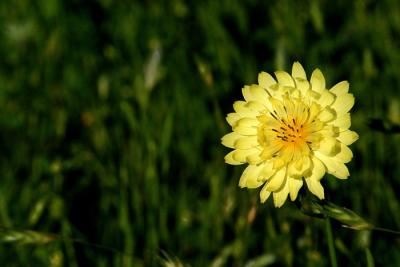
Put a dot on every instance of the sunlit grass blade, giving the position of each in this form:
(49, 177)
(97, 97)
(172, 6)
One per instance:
(24, 237)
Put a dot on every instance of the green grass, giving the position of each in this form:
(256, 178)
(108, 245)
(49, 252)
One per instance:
(111, 114)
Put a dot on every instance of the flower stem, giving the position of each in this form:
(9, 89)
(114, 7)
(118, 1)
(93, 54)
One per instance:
(370, 258)
(331, 244)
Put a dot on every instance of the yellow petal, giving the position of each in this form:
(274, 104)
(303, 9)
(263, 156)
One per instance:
(329, 130)
(246, 126)
(329, 146)
(318, 169)
(278, 107)
(343, 104)
(345, 154)
(246, 142)
(253, 182)
(246, 93)
(317, 81)
(243, 110)
(327, 114)
(278, 163)
(254, 159)
(302, 85)
(250, 176)
(229, 139)
(347, 137)
(298, 167)
(264, 194)
(326, 98)
(275, 88)
(239, 106)
(312, 96)
(265, 80)
(289, 105)
(343, 122)
(298, 71)
(295, 93)
(340, 88)
(313, 111)
(241, 155)
(255, 93)
(315, 187)
(276, 181)
(230, 160)
(267, 171)
(284, 78)
(270, 150)
(294, 187)
(333, 166)
(287, 152)
(301, 112)
(256, 106)
(281, 195)
(232, 118)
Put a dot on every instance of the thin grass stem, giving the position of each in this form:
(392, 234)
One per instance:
(331, 244)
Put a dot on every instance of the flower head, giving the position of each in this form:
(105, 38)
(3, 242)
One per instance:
(290, 130)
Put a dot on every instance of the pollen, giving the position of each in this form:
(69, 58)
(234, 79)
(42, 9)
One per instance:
(290, 132)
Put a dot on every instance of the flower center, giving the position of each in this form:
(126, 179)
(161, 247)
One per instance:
(288, 131)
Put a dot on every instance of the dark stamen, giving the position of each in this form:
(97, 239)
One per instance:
(273, 116)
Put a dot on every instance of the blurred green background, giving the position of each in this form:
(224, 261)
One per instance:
(111, 114)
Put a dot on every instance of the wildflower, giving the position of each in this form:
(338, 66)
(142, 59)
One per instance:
(291, 130)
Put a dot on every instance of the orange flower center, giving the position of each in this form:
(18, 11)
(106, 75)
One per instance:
(291, 132)
(288, 131)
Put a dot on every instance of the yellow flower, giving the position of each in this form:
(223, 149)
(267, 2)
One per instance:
(289, 130)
